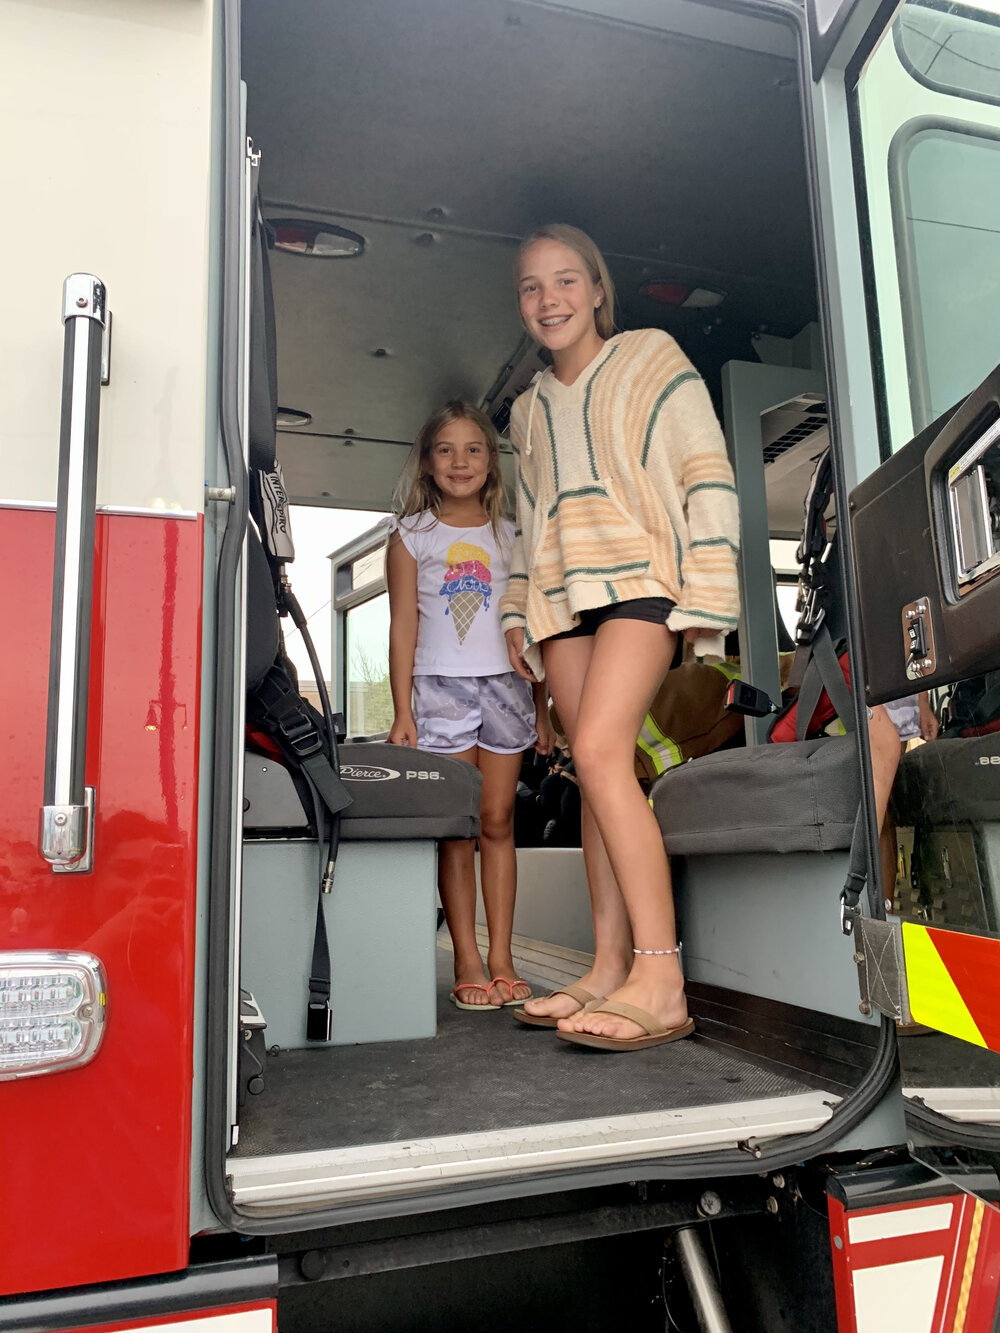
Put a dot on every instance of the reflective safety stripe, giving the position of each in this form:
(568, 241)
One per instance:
(663, 753)
(965, 1291)
(953, 981)
(935, 1000)
(728, 670)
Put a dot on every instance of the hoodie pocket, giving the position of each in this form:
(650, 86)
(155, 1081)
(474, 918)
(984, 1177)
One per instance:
(590, 536)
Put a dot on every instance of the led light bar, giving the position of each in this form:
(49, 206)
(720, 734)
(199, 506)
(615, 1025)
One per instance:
(52, 1009)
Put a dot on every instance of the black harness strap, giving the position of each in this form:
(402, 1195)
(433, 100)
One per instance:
(283, 709)
(319, 1016)
(286, 717)
(857, 874)
(822, 673)
(812, 555)
(815, 667)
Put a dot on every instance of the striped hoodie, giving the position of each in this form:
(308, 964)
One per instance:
(623, 490)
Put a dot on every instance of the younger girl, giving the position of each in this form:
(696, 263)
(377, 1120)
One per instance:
(628, 533)
(453, 688)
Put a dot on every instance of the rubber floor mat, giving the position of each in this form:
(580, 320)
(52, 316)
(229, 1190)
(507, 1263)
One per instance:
(482, 1072)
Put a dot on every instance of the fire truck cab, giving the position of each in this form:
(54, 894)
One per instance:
(310, 211)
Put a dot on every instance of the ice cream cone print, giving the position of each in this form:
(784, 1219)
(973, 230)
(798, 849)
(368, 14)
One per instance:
(467, 585)
(463, 607)
(461, 553)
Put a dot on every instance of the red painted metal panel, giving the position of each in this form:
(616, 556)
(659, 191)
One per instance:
(969, 1247)
(95, 1177)
(846, 1323)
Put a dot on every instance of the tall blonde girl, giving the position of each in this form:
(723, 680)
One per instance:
(453, 689)
(627, 537)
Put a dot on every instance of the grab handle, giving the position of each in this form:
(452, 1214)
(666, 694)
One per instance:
(67, 820)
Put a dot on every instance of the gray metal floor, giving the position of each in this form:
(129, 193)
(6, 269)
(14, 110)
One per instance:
(933, 1059)
(482, 1072)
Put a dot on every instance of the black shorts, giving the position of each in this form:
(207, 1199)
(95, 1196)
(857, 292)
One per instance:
(655, 610)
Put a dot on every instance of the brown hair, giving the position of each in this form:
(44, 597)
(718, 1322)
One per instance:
(417, 491)
(593, 261)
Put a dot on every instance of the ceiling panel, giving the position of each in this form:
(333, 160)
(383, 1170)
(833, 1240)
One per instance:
(507, 115)
(443, 314)
(472, 121)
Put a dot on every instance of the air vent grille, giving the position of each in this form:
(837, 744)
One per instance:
(814, 418)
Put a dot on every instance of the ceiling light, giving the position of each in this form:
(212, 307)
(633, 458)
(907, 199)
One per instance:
(319, 240)
(703, 298)
(681, 295)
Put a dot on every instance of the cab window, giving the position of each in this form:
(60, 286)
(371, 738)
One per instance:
(928, 117)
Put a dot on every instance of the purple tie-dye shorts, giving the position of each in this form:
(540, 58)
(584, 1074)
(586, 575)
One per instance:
(454, 713)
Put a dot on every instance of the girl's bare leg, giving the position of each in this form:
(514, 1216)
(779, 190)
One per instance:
(628, 662)
(457, 886)
(498, 864)
(886, 752)
(566, 665)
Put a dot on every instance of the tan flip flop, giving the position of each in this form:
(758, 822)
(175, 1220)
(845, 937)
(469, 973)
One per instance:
(576, 992)
(655, 1034)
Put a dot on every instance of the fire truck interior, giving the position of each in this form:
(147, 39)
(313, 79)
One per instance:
(404, 151)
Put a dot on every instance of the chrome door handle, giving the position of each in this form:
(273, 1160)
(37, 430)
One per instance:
(66, 837)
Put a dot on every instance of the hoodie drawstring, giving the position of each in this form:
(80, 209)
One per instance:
(536, 385)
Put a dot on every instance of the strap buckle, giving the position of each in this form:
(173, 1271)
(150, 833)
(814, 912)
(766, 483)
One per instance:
(301, 735)
(319, 1021)
(849, 898)
(286, 709)
(811, 606)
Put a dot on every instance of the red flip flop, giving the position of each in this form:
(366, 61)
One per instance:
(505, 981)
(472, 1008)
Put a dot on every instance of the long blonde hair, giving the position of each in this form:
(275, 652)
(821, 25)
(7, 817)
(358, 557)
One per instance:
(417, 492)
(581, 244)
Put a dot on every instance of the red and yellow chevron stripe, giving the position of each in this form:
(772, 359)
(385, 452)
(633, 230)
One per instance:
(954, 983)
